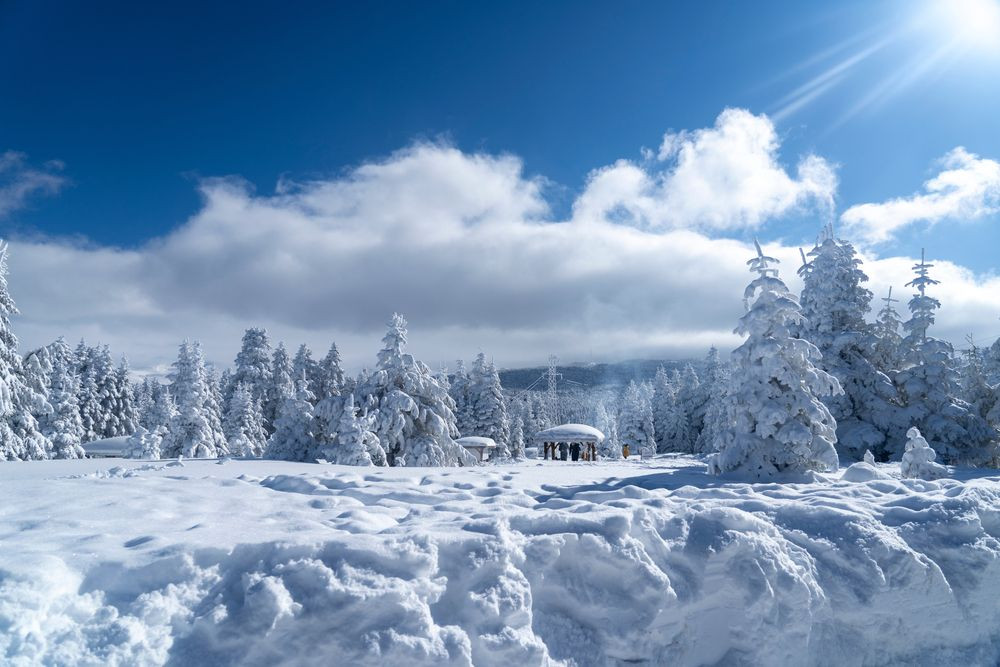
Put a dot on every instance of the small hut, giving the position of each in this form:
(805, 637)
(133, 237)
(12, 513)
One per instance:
(570, 442)
(478, 446)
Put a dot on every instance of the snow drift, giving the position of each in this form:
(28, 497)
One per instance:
(266, 563)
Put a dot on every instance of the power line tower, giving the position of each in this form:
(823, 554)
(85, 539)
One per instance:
(552, 394)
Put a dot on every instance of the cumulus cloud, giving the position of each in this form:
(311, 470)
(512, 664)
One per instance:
(19, 181)
(464, 244)
(968, 188)
(720, 178)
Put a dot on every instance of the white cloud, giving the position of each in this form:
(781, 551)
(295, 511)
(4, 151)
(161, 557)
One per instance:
(464, 244)
(967, 188)
(19, 181)
(719, 178)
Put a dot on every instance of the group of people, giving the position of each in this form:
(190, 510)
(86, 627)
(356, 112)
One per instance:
(571, 451)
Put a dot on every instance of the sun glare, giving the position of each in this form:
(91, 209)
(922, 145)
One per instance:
(972, 24)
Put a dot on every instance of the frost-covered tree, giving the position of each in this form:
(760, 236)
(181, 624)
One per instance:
(252, 367)
(607, 423)
(143, 444)
(713, 408)
(676, 430)
(62, 425)
(280, 389)
(460, 390)
(664, 397)
(489, 408)
(982, 397)
(244, 425)
(415, 421)
(126, 417)
(303, 365)
(635, 420)
(332, 381)
(834, 305)
(354, 442)
(160, 410)
(195, 431)
(991, 363)
(517, 436)
(777, 422)
(294, 436)
(886, 343)
(20, 439)
(692, 400)
(928, 386)
(918, 458)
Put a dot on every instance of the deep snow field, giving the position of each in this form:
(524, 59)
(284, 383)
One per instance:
(106, 562)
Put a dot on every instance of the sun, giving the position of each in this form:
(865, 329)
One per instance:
(971, 24)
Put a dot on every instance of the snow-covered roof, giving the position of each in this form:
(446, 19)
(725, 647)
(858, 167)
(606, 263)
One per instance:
(476, 441)
(570, 433)
(106, 447)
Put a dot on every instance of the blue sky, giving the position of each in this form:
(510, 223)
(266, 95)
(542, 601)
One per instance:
(140, 104)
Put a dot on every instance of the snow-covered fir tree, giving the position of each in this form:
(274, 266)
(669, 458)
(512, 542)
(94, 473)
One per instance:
(332, 381)
(460, 390)
(517, 436)
(672, 429)
(244, 425)
(62, 425)
(20, 439)
(106, 418)
(415, 421)
(355, 443)
(918, 458)
(982, 397)
(303, 365)
(294, 436)
(929, 388)
(607, 423)
(160, 409)
(635, 421)
(713, 408)
(126, 417)
(252, 367)
(777, 422)
(886, 344)
(280, 389)
(143, 444)
(195, 431)
(489, 407)
(834, 304)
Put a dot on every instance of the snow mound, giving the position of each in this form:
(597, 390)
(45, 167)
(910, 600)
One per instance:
(265, 563)
(862, 471)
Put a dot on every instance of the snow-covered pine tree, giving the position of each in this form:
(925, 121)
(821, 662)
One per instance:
(332, 381)
(607, 423)
(294, 436)
(415, 421)
(280, 388)
(777, 422)
(354, 440)
(713, 391)
(834, 305)
(143, 444)
(664, 396)
(62, 426)
(517, 436)
(489, 407)
(635, 421)
(244, 424)
(886, 344)
(102, 368)
(928, 386)
(20, 439)
(87, 396)
(252, 366)
(673, 420)
(983, 399)
(991, 363)
(918, 458)
(460, 390)
(195, 430)
(160, 409)
(127, 417)
(303, 365)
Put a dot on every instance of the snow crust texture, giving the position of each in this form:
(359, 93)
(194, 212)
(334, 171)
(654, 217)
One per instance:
(273, 563)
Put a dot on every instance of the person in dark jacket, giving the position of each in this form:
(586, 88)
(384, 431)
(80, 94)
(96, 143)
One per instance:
(563, 450)
(575, 451)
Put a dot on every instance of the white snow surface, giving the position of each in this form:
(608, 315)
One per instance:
(121, 562)
(575, 432)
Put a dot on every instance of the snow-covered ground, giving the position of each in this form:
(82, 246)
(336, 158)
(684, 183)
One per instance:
(263, 562)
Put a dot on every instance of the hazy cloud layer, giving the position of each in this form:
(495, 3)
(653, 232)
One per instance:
(967, 188)
(465, 246)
